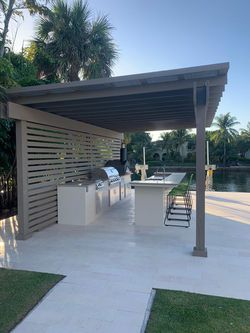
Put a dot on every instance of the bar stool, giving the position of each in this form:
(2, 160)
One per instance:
(179, 205)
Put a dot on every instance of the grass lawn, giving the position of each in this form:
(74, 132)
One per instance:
(20, 291)
(183, 312)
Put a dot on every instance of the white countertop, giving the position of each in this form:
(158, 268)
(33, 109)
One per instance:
(83, 183)
(173, 179)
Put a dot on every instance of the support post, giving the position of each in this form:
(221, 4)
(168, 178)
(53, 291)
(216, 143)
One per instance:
(22, 180)
(200, 102)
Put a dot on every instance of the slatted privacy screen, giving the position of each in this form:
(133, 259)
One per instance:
(55, 156)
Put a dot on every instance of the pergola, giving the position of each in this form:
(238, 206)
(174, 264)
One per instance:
(103, 109)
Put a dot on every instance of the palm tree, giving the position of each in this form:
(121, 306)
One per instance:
(102, 51)
(127, 138)
(180, 137)
(139, 140)
(167, 142)
(245, 132)
(78, 46)
(226, 132)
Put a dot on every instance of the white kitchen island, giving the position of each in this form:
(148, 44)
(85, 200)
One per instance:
(80, 203)
(151, 198)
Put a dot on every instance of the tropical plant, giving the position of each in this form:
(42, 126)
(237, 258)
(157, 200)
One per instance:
(11, 9)
(102, 51)
(45, 64)
(24, 71)
(6, 73)
(7, 165)
(7, 146)
(139, 140)
(76, 46)
(127, 138)
(167, 142)
(226, 133)
(180, 137)
(16, 70)
(243, 140)
(3, 97)
(245, 132)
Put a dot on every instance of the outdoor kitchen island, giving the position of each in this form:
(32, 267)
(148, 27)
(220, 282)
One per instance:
(150, 198)
(81, 202)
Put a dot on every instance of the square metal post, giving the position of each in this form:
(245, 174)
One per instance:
(201, 96)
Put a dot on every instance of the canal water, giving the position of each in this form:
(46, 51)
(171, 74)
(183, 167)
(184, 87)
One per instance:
(232, 181)
(225, 180)
(229, 181)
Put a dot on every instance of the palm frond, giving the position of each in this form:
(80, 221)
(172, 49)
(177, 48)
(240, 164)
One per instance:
(102, 51)
(226, 132)
(245, 132)
(3, 95)
(3, 6)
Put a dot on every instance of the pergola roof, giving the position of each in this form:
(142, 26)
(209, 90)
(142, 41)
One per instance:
(150, 101)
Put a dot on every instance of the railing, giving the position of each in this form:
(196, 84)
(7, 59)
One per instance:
(8, 196)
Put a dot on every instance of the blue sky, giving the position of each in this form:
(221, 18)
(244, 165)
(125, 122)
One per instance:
(168, 34)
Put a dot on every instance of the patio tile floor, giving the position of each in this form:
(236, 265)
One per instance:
(112, 265)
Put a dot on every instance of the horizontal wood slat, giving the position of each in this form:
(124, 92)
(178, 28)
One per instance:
(40, 175)
(56, 155)
(57, 180)
(62, 155)
(43, 132)
(66, 140)
(51, 150)
(34, 168)
(43, 224)
(34, 215)
(44, 218)
(34, 192)
(58, 160)
(41, 202)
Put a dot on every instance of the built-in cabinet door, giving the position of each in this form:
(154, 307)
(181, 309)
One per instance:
(102, 199)
(114, 194)
(127, 189)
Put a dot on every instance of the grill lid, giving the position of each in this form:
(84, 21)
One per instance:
(110, 171)
(106, 173)
(122, 168)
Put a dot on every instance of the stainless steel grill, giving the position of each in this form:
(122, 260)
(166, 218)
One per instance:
(122, 168)
(109, 174)
(99, 184)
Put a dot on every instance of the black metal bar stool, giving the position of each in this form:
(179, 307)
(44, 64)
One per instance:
(179, 205)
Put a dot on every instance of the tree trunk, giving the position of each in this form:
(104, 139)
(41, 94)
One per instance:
(73, 73)
(8, 15)
(224, 154)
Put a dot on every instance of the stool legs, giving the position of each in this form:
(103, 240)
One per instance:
(179, 208)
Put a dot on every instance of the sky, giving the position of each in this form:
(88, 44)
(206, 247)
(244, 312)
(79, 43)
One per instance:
(168, 34)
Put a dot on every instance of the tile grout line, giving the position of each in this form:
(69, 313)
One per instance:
(148, 310)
